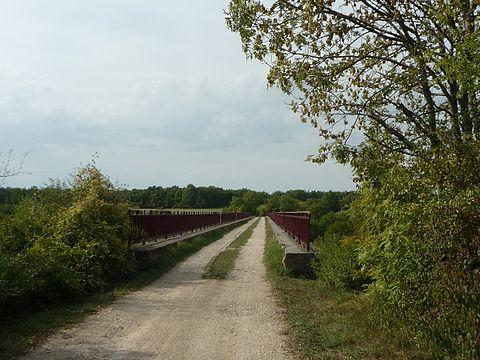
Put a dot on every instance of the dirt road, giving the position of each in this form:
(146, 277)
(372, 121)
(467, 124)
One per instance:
(182, 316)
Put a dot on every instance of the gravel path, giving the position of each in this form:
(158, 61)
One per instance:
(182, 316)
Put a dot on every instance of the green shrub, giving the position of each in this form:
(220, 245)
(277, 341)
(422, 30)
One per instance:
(262, 210)
(421, 241)
(336, 262)
(64, 242)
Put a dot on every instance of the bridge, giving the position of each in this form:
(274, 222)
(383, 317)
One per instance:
(160, 228)
(156, 225)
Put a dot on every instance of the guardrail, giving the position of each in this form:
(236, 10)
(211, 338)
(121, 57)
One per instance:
(296, 224)
(158, 223)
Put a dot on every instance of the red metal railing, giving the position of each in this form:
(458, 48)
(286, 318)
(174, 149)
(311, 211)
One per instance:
(156, 223)
(296, 224)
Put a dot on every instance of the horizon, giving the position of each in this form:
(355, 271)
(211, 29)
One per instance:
(119, 187)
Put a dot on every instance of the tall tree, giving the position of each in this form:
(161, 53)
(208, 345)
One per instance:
(404, 73)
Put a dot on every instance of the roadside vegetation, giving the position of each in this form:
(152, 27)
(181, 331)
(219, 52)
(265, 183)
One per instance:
(64, 243)
(222, 265)
(328, 323)
(65, 251)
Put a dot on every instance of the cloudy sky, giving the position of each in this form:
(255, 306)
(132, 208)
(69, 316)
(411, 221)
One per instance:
(160, 90)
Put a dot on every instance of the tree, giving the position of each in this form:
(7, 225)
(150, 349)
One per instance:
(8, 168)
(288, 203)
(404, 73)
(189, 196)
(249, 201)
(262, 210)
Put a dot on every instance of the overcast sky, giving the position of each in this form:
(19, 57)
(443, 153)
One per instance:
(159, 89)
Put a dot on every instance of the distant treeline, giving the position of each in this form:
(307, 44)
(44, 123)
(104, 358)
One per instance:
(10, 197)
(209, 197)
(319, 203)
(202, 197)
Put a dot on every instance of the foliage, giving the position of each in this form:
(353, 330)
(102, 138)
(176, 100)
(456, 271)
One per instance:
(263, 210)
(64, 242)
(318, 202)
(421, 241)
(323, 209)
(404, 73)
(11, 197)
(332, 324)
(336, 262)
(192, 197)
(248, 202)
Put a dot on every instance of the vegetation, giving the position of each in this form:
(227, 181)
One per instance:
(420, 243)
(403, 73)
(224, 262)
(11, 197)
(393, 89)
(329, 324)
(64, 243)
(249, 201)
(191, 197)
(25, 329)
(337, 264)
(319, 203)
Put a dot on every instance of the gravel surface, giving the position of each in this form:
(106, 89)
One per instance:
(182, 316)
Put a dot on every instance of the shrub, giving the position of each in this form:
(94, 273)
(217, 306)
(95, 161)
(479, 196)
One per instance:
(262, 210)
(421, 241)
(336, 262)
(64, 242)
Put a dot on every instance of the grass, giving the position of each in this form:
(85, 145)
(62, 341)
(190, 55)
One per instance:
(19, 333)
(224, 262)
(325, 324)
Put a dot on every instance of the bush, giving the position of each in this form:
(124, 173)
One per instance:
(336, 262)
(421, 241)
(64, 242)
(262, 210)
